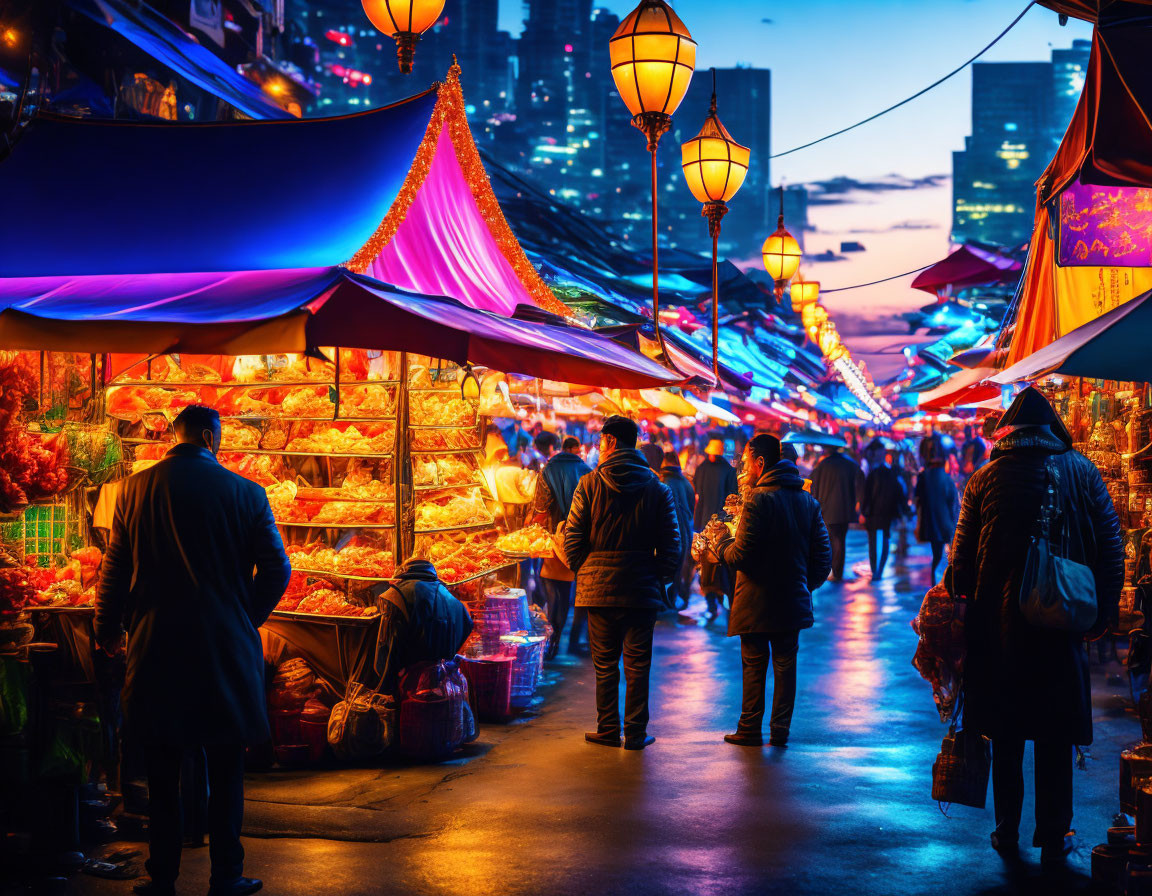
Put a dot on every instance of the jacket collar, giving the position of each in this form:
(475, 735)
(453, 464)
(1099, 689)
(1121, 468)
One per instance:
(782, 474)
(187, 449)
(564, 457)
(1039, 438)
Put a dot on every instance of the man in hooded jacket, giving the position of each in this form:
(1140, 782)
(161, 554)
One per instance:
(780, 554)
(714, 480)
(1022, 682)
(623, 543)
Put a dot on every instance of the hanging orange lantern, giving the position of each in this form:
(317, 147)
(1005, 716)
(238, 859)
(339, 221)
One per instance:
(404, 21)
(804, 292)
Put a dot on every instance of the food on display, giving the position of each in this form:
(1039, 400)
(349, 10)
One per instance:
(362, 557)
(458, 556)
(346, 438)
(71, 585)
(448, 470)
(453, 511)
(367, 401)
(237, 436)
(263, 469)
(31, 468)
(307, 595)
(351, 513)
(531, 541)
(445, 439)
(440, 408)
(131, 402)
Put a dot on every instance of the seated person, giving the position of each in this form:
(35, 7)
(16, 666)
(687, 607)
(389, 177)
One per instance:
(422, 622)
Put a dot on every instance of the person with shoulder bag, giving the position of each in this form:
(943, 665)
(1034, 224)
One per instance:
(1039, 558)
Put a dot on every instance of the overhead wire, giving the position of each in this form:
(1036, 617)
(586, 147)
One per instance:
(875, 282)
(914, 96)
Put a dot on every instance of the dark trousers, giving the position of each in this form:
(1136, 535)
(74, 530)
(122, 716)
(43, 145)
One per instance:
(837, 535)
(1053, 789)
(557, 600)
(875, 534)
(755, 652)
(615, 633)
(937, 556)
(225, 767)
(579, 623)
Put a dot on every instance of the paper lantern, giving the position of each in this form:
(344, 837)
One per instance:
(714, 164)
(404, 21)
(653, 57)
(781, 255)
(805, 292)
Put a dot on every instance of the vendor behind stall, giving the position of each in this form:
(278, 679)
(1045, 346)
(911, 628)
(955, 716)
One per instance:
(422, 622)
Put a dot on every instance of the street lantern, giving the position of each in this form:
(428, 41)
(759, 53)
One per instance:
(804, 292)
(714, 166)
(652, 57)
(781, 254)
(813, 316)
(404, 21)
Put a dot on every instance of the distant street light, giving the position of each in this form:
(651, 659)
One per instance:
(714, 166)
(653, 57)
(404, 21)
(781, 254)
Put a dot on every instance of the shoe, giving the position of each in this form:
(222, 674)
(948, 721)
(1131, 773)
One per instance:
(242, 886)
(1005, 843)
(150, 887)
(740, 739)
(778, 739)
(1056, 855)
(639, 743)
(604, 740)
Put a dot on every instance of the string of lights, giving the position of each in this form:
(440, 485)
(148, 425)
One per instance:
(914, 96)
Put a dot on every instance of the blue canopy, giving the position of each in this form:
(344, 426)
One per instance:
(168, 45)
(112, 197)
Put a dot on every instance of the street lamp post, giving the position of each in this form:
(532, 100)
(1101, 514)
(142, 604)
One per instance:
(652, 56)
(404, 21)
(714, 166)
(781, 254)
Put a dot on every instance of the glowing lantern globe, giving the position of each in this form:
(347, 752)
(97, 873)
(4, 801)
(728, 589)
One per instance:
(714, 164)
(806, 292)
(781, 255)
(404, 21)
(653, 57)
(829, 339)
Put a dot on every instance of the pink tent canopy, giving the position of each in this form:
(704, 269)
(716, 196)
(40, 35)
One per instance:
(968, 266)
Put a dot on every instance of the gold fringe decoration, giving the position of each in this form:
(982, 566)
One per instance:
(449, 110)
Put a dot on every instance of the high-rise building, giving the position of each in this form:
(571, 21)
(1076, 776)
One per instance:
(1014, 134)
(1069, 66)
(553, 54)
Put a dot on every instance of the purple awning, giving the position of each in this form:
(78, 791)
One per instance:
(261, 312)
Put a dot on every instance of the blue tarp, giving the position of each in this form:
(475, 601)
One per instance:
(168, 45)
(112, 197)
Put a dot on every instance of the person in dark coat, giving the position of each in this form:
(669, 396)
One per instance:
(685, 498)
(882, 502)
(838, 483)
(780, 554)
(714, 480)
(553, 500)
(937, 503)
(623, 543)
(178, 577)
(1022, 682)
(422, 622)
(654, 454)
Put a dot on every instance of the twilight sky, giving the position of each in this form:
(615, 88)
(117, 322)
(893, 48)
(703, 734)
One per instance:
(835, 62)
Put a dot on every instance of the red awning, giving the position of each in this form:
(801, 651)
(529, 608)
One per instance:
(968, 266)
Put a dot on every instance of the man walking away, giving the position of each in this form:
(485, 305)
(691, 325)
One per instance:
(937, 504)
(178, 576)
(1022, 682)
(882, 503)
(685, 499)
(780, 554)
(714, 480)
(555, 485)
(838, 484)
(623, 543)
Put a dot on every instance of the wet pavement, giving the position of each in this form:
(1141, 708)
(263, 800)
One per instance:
(535, 810)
